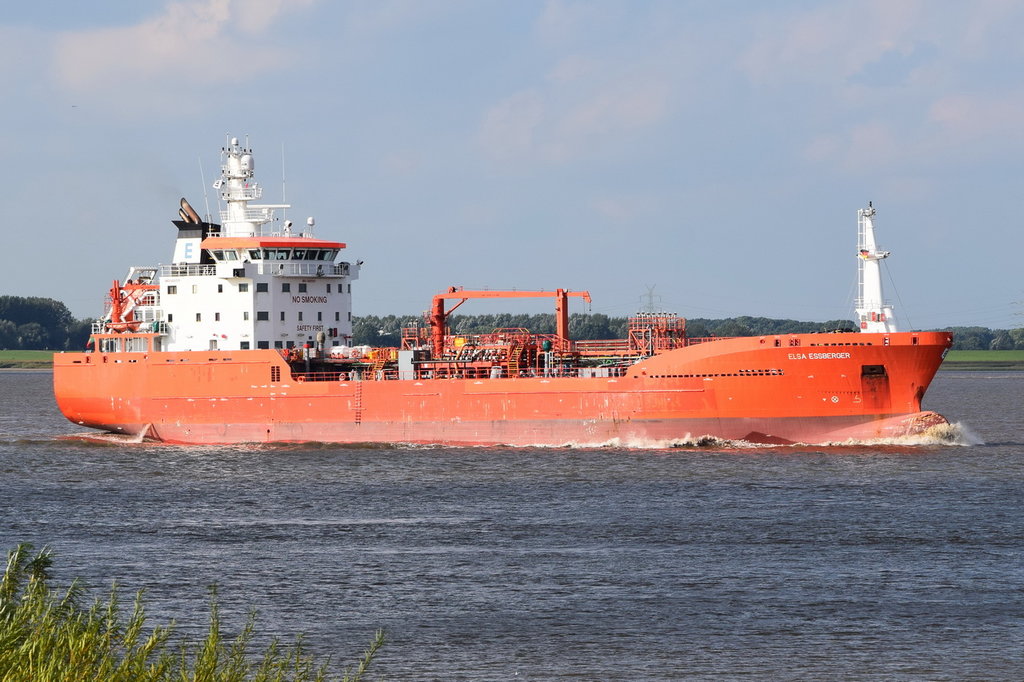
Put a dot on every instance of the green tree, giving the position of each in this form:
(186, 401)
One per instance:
(971, 338)
(8, 335)
(51, 319)
(78, 334)
(1018, 338)
(590, 327)
(1002, 341)
(731, 328)
(32, 336)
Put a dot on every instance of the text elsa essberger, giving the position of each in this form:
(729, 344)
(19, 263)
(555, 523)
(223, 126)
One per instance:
(819, 356)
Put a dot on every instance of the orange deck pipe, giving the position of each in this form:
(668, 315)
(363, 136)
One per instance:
(438, 315)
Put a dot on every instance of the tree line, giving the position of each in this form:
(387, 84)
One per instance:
(374, 330)
(46, 324)
(31, 323)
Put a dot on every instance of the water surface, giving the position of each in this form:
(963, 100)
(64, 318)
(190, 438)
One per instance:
(855, 562)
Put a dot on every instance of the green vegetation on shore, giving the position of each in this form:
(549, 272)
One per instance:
(984, 360)
(26, 359)
(46, 324)
(49, 634)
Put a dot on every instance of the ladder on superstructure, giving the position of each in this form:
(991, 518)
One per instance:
(515, 350)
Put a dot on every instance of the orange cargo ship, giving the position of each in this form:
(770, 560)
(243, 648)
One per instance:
(246, 337)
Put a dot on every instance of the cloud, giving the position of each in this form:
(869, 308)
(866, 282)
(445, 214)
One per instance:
(893, 87)
(829, 44)
(867, 40)
(157, 63)
(969, 120)
(960, 126)
(622, 209)
(367, 20)
(559, 126)
(563, 21)
(510, 127)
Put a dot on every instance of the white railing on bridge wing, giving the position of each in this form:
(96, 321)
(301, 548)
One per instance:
(280, 269)
(187, 270)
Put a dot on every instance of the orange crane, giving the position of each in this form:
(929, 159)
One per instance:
(123, 301)
(439, 316)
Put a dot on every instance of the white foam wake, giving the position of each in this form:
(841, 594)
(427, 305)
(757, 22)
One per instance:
(939, 434)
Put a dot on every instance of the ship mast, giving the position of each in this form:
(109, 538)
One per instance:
(873, 313)
(237, 188)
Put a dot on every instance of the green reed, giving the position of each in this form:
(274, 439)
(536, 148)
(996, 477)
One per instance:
(49, 634)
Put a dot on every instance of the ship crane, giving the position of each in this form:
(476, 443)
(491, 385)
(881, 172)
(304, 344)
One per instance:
(439, 316)
(123, 301)
(873, 313)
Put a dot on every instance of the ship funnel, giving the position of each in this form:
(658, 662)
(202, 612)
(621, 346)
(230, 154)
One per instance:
(193, 217)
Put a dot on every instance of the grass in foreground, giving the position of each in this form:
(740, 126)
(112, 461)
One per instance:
(986, 355)
(984, 359)
(47, 634)
(26, 359)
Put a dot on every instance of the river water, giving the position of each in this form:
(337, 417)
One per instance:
(865, 562)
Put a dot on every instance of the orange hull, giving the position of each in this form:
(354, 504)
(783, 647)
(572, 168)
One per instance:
(807, 388)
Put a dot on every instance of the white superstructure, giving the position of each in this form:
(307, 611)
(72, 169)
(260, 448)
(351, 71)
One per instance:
(249, 282)
(874, 314)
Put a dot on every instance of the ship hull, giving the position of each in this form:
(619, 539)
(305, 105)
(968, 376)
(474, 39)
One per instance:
(810, 388)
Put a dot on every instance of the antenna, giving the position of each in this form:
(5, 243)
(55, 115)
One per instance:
(284, 186)
(206, 197)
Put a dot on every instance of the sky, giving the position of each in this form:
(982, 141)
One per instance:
(709, 153)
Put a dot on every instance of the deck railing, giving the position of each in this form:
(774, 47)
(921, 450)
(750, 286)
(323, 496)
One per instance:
(188, 270)
(445, 373)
